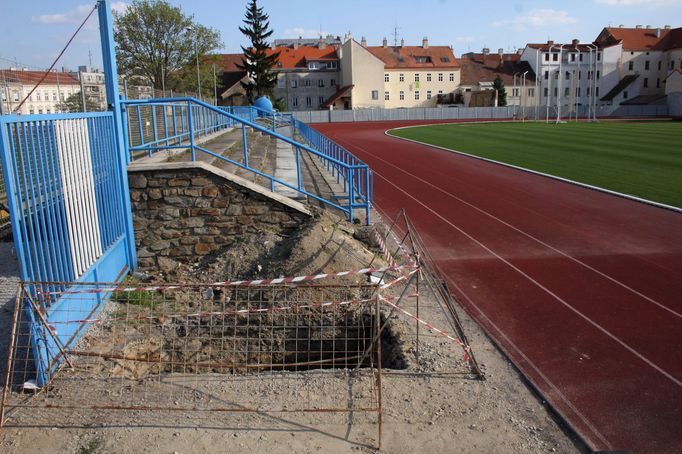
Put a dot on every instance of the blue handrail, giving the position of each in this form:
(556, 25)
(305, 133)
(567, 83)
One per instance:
(191, 119)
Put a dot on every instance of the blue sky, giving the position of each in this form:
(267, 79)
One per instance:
(35, 30)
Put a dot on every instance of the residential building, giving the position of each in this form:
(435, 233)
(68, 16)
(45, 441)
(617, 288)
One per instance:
(568, 75)
(637, 62)
(479, 71)
(414, 76)
(16, 84)
(231, 76)
(673, 91)
(362, 79)
(93, 85)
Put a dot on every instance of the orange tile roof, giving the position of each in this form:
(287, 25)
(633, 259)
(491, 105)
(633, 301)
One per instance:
(290, 58)
(671, 41)
(476, 71)
(33, 77)
(640, 39)
(407, 56)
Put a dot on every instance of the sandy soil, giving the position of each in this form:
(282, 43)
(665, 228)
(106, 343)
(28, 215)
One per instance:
(434, 405)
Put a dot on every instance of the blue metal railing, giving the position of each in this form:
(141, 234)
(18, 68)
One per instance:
(201, 118)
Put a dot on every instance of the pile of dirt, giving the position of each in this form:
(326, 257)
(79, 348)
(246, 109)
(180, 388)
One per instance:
(325, 244)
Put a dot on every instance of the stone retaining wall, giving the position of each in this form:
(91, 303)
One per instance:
(184, 214)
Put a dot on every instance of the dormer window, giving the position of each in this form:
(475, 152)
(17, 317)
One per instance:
(313, 65)
(332, 65)
(423, 59)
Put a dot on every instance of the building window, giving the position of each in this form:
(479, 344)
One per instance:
(581, 57)
(547, 57)
(588, 91)
(555, 57)
(295, 102)
(567, 91)
(556, 91)
(646, 65)
(546, 75)
(387, 77)
(375, 95)
(631, 66)
(54, 96)
(40, 111)
(568, 75)
(672, 64)
(402, 77)
(580, 75)
(515, 92)
(428, 77)
(658, 83)
(416, 95)
(577, 92)
(597, 91)
(313, 65)
(308, 101)
(387, 96)
(320, 83)
(452, 77)
(416, 77)
(572, 57)
(308, 83)
(294, 84)
(428, 94)
(646, 82)
(332, 82)
(598, 56)
(332, 65)
(37, 96)
(440, 92)
(531, 92)
(625, 94)
(659, 65)
(546, 92)
(321, 100)
(440, 77)
(31, 111)
(16, 96)
(598, 74)
(402, 95)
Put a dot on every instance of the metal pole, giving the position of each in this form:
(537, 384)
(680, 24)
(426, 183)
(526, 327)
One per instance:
(163, 81)
(523, 105)
(549, 81)
(85, 106)
(559, 87)
(196, 50)
(537, 90)
(215, 87)
(577, 83)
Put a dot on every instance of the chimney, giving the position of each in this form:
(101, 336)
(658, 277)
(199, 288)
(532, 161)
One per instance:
(658, 32)
(363, 42)
(322, 44)
(550, 43)
(486, 51)
(648, 27)
(500, 51)
(621, 26)
(385, 43)
(667, 27)
(296, 45)
(425, 43)
(575, 42)
(402, 43)
(638, 26)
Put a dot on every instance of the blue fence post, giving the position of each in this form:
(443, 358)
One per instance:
(351, 193)
(111, 84)
(298, 168)
(190, 127)
(124, 123)
(246, 146)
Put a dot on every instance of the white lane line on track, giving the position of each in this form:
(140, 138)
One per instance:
(556, 390)
(528, 277)
(528, 235)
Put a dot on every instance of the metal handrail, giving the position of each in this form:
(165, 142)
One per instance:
(355, 175)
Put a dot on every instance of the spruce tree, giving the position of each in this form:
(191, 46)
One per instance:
(501, 91)
(256, 62)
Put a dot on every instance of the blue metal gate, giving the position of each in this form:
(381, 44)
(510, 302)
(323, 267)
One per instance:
(67, 194)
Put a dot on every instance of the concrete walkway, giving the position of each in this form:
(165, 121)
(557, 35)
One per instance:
(9, 279)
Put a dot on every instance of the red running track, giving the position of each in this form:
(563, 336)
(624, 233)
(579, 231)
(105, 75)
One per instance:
(581, 289)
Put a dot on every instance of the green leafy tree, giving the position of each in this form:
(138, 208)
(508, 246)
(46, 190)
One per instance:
(74, 103)
(156, 43)
(501, 91)
(256, 61)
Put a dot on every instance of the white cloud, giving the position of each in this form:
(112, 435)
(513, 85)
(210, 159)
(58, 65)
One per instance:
(640, 2)
(303, 33)
(537, 18)
(74, 16)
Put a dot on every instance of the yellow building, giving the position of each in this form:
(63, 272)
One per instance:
(414, 76)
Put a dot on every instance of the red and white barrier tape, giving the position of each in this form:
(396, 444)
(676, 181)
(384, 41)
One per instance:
(384, 248)
(429, 326)
(243, 283)
(289, 309)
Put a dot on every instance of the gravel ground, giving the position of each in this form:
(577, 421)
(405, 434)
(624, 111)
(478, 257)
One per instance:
(9, 277)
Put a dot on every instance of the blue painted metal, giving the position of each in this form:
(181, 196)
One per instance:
(356, 175)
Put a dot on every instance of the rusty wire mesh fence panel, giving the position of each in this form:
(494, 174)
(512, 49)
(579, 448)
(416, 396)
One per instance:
(197, 349)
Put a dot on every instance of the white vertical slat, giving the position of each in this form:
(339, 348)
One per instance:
(73, 149)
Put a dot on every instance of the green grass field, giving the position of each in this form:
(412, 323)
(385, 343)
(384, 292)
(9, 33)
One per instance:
(640, 159)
